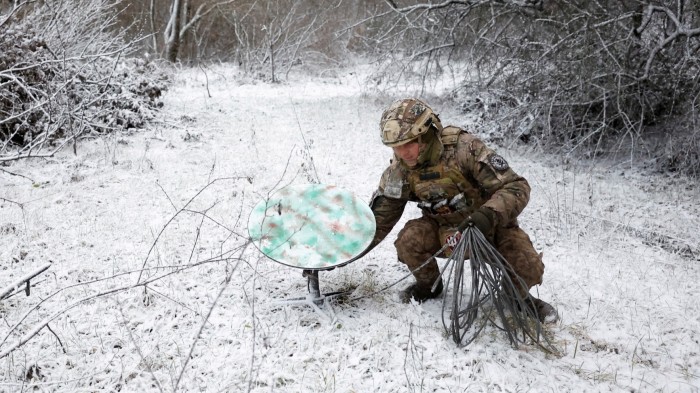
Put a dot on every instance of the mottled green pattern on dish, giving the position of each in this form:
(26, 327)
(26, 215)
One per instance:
(312, 226)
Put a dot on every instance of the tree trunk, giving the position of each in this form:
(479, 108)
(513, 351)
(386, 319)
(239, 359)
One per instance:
(152, 19)
(172, 39)
(272, 61)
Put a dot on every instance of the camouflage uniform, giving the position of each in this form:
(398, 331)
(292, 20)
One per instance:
(469, 172)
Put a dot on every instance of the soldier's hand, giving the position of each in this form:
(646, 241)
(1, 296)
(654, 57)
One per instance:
(453, 240)
(483, 219)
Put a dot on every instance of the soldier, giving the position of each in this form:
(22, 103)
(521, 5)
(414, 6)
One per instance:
(456, 179)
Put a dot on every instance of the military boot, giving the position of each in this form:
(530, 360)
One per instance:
(544, 311)
(420, 292)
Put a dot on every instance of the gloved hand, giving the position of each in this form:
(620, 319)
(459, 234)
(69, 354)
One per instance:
(484, 219)
(453, 240)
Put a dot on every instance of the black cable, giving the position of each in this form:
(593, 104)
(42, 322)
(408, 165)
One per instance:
(490, 292)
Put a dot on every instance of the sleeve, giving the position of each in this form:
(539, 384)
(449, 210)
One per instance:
(506, 192)
(388, 203)
(387, 212)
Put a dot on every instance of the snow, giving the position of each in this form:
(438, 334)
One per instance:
(169, 206)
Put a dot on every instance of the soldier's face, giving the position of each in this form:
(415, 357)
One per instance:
(408, 152)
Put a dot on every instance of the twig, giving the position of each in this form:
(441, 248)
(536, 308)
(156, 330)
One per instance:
(252, 312)
(405, 358)
(34, 284)
(177, 214)
(306, 144)
(166, 195)
(15, 8)
(679, 31)
(206, 320)
(138, 348)
(25, 279)
(57, 338)
(16, 174)
(407, 275)
(37, 328)
(206, 77)
(21, 205)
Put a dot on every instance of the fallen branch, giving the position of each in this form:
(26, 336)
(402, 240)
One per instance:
(21, 206)
(44, 323)
(16, 285)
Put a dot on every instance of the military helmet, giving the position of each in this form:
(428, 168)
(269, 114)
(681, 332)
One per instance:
(406, 120)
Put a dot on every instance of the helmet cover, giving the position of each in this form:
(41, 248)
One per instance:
(406, 120)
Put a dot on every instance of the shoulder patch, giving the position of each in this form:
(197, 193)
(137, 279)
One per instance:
(498, 162)
(393, 183)
(394, 188)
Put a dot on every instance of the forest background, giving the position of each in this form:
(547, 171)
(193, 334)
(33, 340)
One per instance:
(585, 78)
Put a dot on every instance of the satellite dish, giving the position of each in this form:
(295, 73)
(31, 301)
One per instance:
(312, 226)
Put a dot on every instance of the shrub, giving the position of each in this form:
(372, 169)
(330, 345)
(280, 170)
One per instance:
(579, 77)
(66, 73)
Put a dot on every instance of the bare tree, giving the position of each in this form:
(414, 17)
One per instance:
(273, 37)
(254, 33)
(181, 21)
(174, 29)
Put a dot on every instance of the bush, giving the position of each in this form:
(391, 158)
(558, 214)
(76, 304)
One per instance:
(589, 78)
(71, 81)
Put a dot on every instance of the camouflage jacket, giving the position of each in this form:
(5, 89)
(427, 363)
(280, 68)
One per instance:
(466, 167)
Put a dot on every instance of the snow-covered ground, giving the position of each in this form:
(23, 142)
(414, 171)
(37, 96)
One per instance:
(153, 285)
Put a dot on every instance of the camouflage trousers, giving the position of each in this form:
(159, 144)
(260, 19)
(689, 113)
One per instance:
(423, 237)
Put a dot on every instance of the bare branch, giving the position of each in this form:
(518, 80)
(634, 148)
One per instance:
(205, 320)
(172, 219)
(201, 12)
(679, 31)
(16, 7)
(23, 280)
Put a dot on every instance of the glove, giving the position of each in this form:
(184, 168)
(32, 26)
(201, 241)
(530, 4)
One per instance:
(483, 219)
(453, 240)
